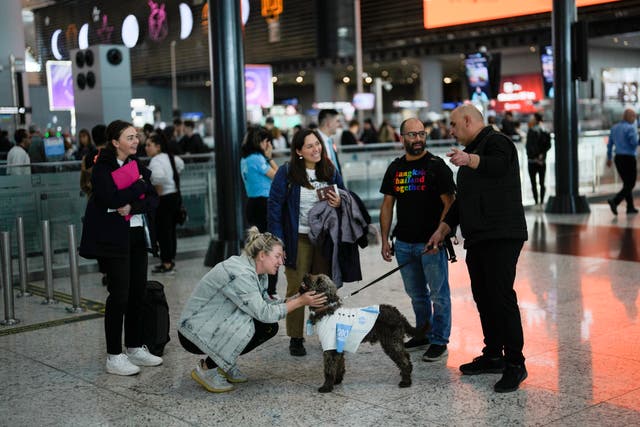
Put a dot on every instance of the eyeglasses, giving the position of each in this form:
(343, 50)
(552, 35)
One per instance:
(413, 135)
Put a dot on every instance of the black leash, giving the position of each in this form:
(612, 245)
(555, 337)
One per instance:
(389, 273)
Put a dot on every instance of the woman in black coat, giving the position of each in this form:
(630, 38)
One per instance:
(117, 232)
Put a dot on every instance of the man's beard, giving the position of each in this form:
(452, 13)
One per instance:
(411, 148)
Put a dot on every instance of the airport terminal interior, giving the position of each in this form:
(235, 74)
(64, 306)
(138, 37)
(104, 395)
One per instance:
(67, 65)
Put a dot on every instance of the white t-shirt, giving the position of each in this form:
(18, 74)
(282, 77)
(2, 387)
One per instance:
(162, 174)
(18, 156)
(308, 198)
(348, 325)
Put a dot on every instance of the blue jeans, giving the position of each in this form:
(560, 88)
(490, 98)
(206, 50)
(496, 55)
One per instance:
(426, 281)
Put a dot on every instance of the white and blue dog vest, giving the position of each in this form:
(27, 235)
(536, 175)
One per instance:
(345, 329)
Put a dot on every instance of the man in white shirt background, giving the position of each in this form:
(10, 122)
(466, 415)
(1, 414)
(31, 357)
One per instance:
(18, 160)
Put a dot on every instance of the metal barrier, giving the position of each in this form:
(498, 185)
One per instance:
(48, 264)
(73, 272)
(22, 259)
(7, 281)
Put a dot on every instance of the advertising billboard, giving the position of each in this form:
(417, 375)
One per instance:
(546, 61)
(258, 85)
(444, 13)
(60, 85)
(519, 93)
(477, 70)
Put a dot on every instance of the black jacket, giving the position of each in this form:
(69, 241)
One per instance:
(106, 234)
(488, 204)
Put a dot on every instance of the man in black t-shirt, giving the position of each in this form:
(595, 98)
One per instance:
(422, 184)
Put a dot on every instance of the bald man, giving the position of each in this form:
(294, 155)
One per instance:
(488, 208)
(624, 136)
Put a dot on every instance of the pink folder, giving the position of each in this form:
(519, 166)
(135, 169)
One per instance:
(126, 175)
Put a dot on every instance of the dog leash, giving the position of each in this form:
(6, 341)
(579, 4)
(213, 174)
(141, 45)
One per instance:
(389, 273)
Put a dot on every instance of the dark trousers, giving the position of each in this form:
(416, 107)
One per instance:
(166, 226)
(628, 170)
(537, 169)
(127, 277)
(256, 211)
(263, 333)
(492, 269)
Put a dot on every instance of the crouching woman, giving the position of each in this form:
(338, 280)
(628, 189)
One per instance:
(230, 312)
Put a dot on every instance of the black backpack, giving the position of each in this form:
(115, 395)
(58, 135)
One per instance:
(155, 318)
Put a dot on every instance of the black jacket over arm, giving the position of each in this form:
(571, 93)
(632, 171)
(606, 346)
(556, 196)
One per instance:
(106, 234)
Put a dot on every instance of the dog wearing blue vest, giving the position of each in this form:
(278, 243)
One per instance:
(343, 329)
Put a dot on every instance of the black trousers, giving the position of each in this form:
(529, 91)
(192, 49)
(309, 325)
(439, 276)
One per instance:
(127, 277)
(166, 226)
(256, 211)
(263, 333)
(492, 269)
(628, 170)
(539, 170)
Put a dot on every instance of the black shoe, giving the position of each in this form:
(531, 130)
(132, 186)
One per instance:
(161, 269)
(483, 365)
(435, 352)
(613, 206)
(296, 348)
(415, 344)
(511, 378)
(632, 211)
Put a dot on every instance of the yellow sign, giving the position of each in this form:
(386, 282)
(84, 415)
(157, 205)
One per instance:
(271, 8)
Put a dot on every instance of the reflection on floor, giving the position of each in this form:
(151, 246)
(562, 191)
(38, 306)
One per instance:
(578, 283)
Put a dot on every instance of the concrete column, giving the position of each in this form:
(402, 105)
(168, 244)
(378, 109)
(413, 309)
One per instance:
(12, 43)
(325, 86)
(431, 82)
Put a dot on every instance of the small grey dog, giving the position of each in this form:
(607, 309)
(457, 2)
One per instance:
(389, 329)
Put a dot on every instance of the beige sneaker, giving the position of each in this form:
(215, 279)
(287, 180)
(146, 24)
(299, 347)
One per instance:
(210, 379)
(233, 375)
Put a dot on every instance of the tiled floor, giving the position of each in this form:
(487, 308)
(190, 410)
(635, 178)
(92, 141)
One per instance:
(578, 283)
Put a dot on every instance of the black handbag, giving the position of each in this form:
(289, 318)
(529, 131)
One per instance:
(181, 214)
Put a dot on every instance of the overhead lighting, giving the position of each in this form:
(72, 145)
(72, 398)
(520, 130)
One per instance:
(299, 79)
(346, 79)
(274, 79)
(532, 49)
(368, 80)
(447, 80)
(384, 73)
(130, 31)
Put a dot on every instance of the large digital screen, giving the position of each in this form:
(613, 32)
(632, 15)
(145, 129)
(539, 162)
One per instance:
(444, 13)
(620, 85)
(364, 100)
(546, 59)
(60, 85)
(258, 85)
(477, 71)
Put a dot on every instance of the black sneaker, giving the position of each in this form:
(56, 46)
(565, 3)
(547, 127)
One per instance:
(613, 206)
(435, 352)
(511, 378)
(632, 210)
(415, 344)
(296, 348)
(483, 365)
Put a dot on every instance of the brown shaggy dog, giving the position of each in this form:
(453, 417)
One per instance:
(390, 329)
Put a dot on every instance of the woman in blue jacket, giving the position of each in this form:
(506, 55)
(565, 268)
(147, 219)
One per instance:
(116, 231)
(293, 193)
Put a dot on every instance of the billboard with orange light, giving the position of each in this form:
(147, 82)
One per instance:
(444, 13)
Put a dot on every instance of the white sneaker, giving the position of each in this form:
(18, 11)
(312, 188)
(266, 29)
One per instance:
(233, 375)
(140, 356)
(119, 364)
(210, 379)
